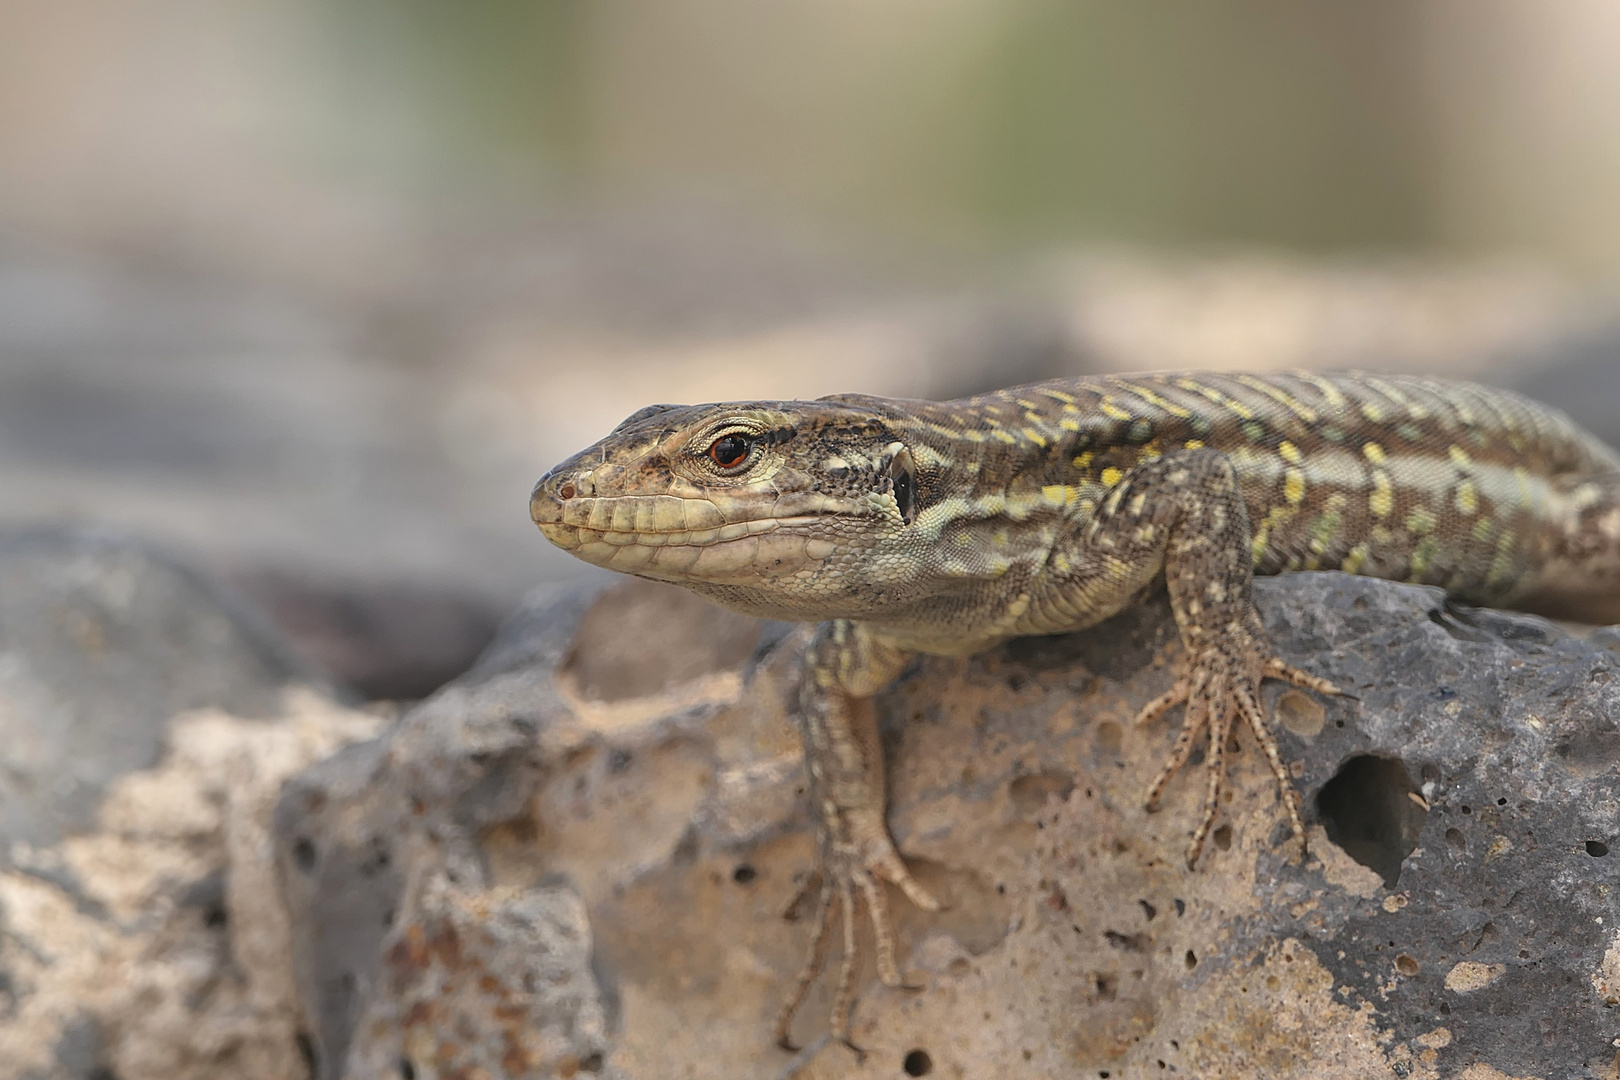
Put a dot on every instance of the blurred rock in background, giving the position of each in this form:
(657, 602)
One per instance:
(312, 293)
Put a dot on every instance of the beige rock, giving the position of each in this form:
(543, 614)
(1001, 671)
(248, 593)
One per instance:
(173, 940)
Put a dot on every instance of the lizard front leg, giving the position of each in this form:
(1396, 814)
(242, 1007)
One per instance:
(1186, 511)
(844, 666)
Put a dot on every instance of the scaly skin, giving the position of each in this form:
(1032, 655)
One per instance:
(908, 527)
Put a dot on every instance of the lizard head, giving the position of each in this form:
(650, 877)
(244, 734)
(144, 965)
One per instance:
(788, 509)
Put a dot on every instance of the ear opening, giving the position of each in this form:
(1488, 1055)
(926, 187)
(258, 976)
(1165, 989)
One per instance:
(903, 483)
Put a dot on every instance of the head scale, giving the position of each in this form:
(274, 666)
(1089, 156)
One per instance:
(789, 509)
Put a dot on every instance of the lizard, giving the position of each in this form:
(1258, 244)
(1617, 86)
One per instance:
(943, 528)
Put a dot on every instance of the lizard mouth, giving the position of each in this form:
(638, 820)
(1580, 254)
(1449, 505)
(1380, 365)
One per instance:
(663, 536)
(573, 536)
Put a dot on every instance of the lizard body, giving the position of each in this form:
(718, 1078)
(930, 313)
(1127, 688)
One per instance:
(907, 527)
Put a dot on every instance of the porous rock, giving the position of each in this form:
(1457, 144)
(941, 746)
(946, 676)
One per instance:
(146, 724)
(1456, 915)
(153, 945)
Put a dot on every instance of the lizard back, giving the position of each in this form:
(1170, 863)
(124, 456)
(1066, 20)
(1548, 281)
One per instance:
(1495, 498)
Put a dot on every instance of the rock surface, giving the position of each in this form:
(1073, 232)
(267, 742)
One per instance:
(592, 872)
(141, 933)
(153, 944)
(102, 641)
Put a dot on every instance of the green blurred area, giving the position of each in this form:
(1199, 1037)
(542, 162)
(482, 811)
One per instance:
(986, 125)
(994, 125)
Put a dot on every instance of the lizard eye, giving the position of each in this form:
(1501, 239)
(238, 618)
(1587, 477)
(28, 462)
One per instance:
(730, 451)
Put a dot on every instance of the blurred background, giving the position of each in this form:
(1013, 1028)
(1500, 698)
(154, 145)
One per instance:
(310, 293)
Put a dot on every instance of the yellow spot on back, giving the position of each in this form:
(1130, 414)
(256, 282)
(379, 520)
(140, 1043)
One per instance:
(1110, 409)
(1414, 409)
(1294, 486)
(1374, 452)
(1242, 410)
(1154, 399)
(1372, 412)
(1277, 394)
(1194, 444)
(1355, 559)
(1323, 387)
(1459, 456)
(1483, 529)
(1059, 494)
(1035, 437)
(1290, 452)
(1422, 557)
(1083, 461)
(1382, 500)
(1467, 498)
(1069, 425)
(1420, 521)
(1111, 476)
(1005, 436)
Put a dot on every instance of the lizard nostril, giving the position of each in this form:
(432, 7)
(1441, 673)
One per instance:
(567, 491)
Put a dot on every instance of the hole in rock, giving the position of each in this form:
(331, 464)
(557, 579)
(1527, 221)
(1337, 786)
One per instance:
(918, 1063)
(1029, 794)
(744, 874)
(1597, 848)
(1367, 810)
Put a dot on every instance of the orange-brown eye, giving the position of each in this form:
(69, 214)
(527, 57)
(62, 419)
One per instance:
(729, 451)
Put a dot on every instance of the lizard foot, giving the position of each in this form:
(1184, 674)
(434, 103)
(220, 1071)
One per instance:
(851, 874)
(1217, 685)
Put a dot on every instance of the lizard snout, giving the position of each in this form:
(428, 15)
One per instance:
(555, 488)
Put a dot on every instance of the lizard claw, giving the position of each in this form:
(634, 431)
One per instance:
(1219, 685)
(852, 876)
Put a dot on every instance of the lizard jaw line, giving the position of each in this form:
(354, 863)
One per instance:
(572, 537)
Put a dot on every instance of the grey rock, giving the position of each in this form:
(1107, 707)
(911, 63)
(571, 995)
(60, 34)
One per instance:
(389, 640)
(102, 640)
(78, 1053)
(1474, 783)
